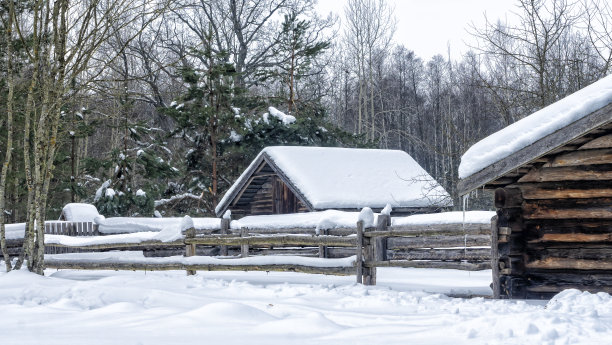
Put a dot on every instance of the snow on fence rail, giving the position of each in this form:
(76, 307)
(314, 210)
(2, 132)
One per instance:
(385, 242)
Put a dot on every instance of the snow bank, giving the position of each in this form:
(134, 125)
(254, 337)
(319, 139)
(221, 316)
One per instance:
(232, 307)
(77, 212)
(530, 129)
(471, 217)
(119, 225)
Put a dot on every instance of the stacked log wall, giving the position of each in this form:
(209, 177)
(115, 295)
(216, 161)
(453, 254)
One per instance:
(554, 228)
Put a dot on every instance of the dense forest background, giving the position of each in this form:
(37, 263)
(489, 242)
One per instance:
(155, 107)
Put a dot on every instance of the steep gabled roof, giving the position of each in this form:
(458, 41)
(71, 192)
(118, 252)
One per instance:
(536, 135)
(342, 178)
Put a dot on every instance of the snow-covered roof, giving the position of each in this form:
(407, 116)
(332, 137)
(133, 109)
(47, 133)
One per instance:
(535, 127)
(344, 178)
(77, 212)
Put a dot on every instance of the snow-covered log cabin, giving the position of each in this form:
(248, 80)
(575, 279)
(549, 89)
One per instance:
(552, 175)
(291, 179)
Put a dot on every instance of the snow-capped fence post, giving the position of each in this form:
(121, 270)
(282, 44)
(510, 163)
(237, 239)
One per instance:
(190, 249)
(359, 254)
(244, 248)
(225, 225)
(369, 272)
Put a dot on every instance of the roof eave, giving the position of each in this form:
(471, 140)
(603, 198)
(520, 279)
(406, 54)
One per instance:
(536, 150)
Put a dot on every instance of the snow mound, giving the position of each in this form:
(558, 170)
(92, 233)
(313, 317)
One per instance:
(77, 212)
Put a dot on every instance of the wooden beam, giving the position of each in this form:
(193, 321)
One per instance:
(573, 238)
(465, 266)
(536, 150)
(566, 190)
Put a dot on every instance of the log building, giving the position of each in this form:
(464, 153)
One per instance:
(290, 179)
(553, 229)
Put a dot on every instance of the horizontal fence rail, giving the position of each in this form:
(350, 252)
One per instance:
(450, 246)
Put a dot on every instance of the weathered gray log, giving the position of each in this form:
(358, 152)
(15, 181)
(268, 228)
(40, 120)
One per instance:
(433, 230)
(225, 225)
(394, 243)
(470, 254)
(244, 248)
(573, 238)
(359, 252)
(369, 273)
(381, 243)
(232, 240)
(190, 249)
(141, 266)
(297, 230)
(140, 245)
(465, 266)
(495, 263)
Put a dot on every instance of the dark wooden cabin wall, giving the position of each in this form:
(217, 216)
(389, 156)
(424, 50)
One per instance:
(555, 224)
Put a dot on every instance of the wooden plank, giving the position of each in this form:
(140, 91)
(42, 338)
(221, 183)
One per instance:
(495, 267)
(592, 208)
(536, 150)
(432, 230)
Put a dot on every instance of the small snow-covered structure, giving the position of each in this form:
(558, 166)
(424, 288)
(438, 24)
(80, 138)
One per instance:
(78, 212)
(552, 175)
(292, 179)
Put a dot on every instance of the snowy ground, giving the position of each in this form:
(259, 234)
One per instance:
(107, 307)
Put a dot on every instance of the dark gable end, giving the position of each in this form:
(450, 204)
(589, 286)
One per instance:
(265, 190)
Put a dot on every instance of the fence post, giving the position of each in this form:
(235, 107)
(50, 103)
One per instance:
(377, 249)
(495, 258)
(369, 273)
(244, 248)
(225, 225)
(323, 249)
(359, 259)
(190, 249)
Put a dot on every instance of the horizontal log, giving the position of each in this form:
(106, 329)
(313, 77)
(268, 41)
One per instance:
(583, 157)
(295, 231)
(598, 143)
(508, 197)
(140, 245)
(465, 266)
(573, 238)
(566, 190)
(231, 240)
(552, 263)
(433, 230)
(438, 241)
(570, 251)
(564, 226)
(470, 254)
(96, 265)
(592, 208)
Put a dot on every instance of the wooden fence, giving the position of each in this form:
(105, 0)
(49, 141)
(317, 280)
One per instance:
(451, 246)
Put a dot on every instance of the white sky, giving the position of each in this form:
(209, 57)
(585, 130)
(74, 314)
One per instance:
(428, 26)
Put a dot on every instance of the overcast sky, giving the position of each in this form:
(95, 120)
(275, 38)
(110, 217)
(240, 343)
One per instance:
(428, 26)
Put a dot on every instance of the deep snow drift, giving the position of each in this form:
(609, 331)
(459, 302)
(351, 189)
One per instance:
(106, 307)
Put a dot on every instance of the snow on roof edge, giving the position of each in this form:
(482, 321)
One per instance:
(536, 126)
